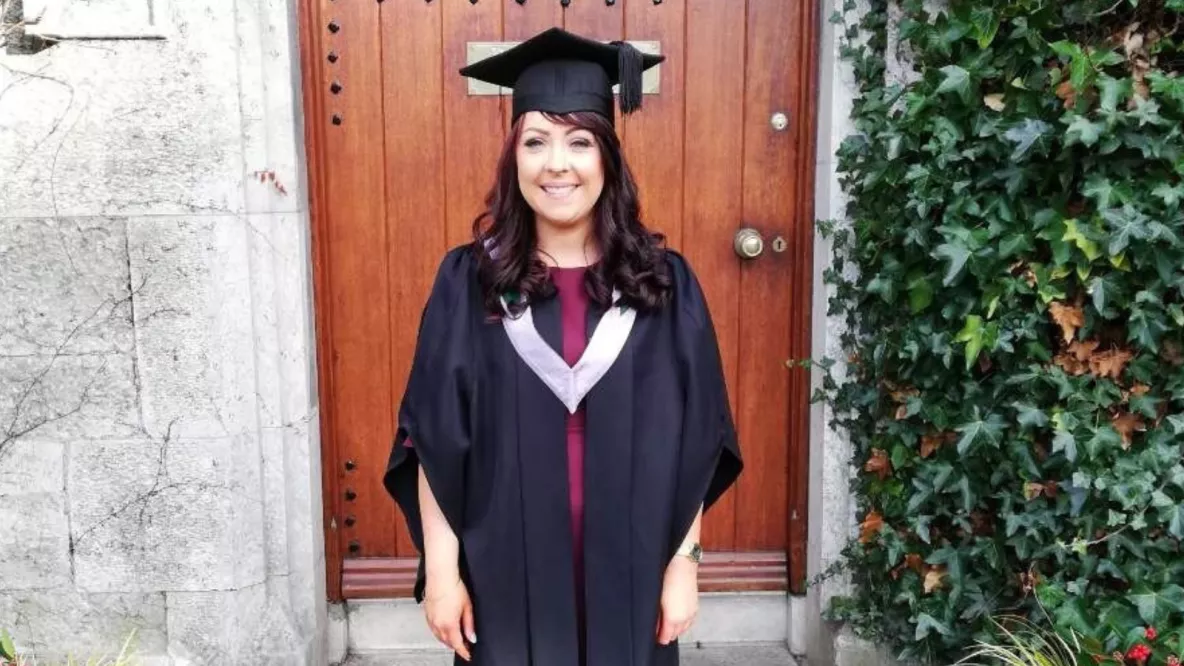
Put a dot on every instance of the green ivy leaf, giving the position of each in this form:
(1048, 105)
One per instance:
(1113, 91)
(1154, 605)
(1145, 329)
(1097, 290)
(1173, 517)
(1167, 86)
(990, 430)
(1083, 131)
(1177, 423)
(956, 254)
(1126, 224)
(1065, 442)
(920, 293)
(972, 334)
(1102, 190)
(1087, 246)
(1025, 135)
(1029, 416)
(956, 80)
(985, 24)
(1170, 194)
(1105, 439)
(926, 623)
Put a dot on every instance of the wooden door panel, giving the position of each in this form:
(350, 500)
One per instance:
(473, 127)
(412, 94)
(361, 398)
(764, 313)
(655, 146)
(713, 161)
(402, 172)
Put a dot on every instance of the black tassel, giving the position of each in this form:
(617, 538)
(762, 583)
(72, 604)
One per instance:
(629, 62)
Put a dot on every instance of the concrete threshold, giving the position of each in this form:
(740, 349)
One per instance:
(732, 655)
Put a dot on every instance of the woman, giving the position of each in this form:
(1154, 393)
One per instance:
(565, 422)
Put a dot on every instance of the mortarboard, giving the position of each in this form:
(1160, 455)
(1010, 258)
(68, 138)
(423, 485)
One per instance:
(559, 72)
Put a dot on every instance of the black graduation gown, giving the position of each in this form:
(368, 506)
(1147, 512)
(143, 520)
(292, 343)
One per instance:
(490, 436)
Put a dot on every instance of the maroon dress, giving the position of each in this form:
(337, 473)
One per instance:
(573, 302)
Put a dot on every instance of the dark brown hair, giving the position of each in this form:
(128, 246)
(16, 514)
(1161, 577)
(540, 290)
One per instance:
(631, 257)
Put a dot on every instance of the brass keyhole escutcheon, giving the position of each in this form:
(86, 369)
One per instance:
(779, 244)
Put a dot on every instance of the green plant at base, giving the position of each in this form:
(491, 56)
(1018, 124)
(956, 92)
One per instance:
(9, 656)
(1023, 643)
(7, 649)
(1012, 281)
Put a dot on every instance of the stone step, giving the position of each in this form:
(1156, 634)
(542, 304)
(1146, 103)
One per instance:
(735, 655)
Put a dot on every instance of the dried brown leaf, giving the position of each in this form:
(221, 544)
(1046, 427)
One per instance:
(1070, 364)
(870, 527)
(994, 101)
(915, 562)
(1127, 424)
(932, 442)
(1083, 350)
(902, 395)
(1068, 317)
(879, 464)
(1137, 390)
(933, 579)
(1110, 363)
(1067, 94)
(1032, 490)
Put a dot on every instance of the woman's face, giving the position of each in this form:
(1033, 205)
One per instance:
(559, 170)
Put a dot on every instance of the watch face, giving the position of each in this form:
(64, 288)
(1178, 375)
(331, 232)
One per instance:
(696, 552)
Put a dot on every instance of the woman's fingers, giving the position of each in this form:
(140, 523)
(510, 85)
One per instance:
(456, 641)
(669, 630)
(466, 623)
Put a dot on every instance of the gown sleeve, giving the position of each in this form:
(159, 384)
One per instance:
(709, 460)
(434, 428)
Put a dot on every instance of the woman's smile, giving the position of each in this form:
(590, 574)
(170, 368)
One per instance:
(559, 191)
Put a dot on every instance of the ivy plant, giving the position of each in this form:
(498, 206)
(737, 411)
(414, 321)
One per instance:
(1012, 280)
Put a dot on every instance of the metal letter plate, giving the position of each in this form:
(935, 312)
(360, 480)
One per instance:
(651, 81)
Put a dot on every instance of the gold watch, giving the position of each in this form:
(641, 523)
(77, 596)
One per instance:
(694, 552)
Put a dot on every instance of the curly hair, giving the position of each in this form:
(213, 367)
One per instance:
(632, 257)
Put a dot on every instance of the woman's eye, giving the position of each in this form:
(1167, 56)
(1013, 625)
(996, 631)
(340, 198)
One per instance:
(533, 143)
(582, 143)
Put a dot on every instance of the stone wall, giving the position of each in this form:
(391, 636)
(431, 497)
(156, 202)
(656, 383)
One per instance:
(833, 523)
(159, 453)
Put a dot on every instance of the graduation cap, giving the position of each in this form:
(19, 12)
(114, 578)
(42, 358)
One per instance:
(559, 72)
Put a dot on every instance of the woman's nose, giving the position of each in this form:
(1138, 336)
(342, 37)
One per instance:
(557, 159)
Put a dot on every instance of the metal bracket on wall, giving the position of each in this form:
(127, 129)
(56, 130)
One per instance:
(651, 81)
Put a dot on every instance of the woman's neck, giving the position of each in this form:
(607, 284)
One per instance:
(567, 246)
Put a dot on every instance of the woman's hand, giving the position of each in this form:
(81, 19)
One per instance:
(447, 605)
(680, 599)
(449, 613)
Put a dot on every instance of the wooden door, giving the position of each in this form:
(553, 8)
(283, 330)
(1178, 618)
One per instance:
(401, 156)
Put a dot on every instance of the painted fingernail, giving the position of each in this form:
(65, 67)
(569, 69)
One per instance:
(473, 638)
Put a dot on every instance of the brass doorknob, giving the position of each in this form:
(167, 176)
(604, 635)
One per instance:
(748, 243)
